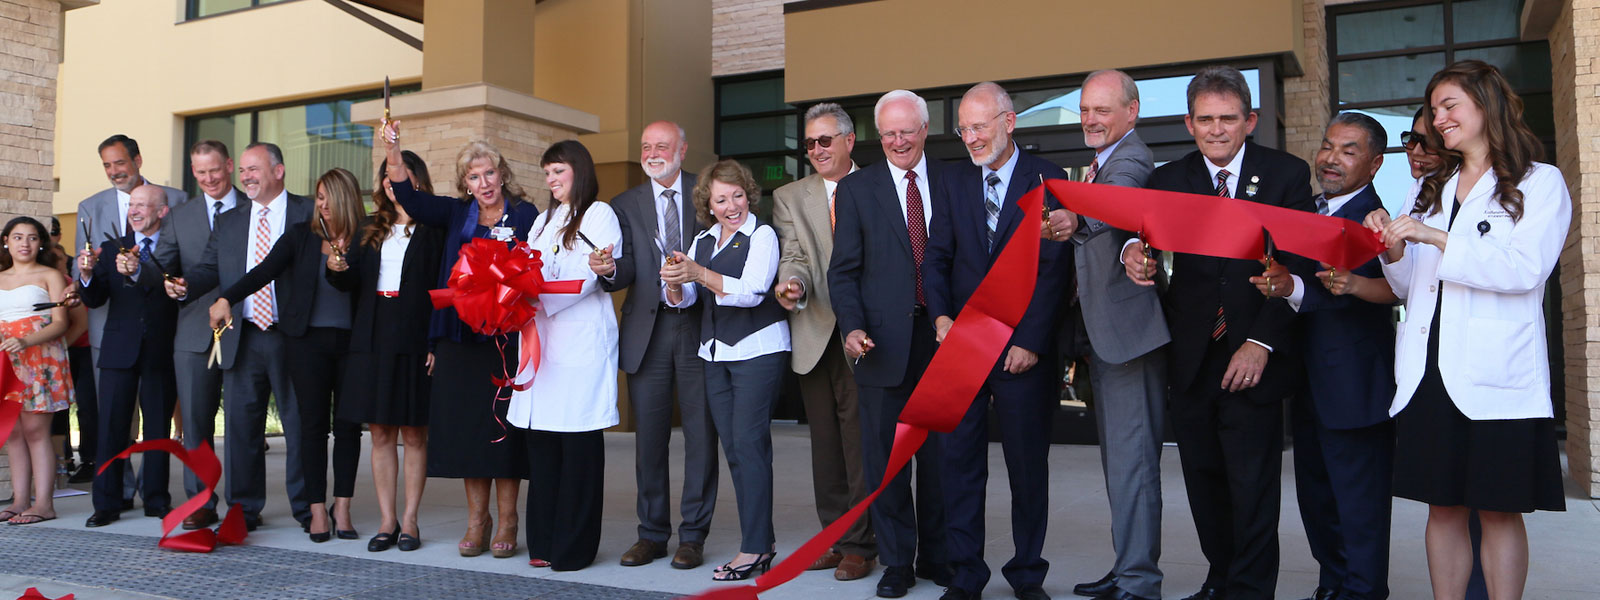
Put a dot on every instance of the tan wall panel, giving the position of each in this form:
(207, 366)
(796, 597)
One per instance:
(581, 59)
(930, 43)
(677, 75)
(457, 55)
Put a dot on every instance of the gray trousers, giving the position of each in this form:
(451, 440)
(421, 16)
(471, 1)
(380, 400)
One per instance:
(1130, 411)
(670, 363)
(199, 398)
(741, 395)
(259, 372)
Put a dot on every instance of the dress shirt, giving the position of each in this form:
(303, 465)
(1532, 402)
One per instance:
(1233, 167)
(1104, 153)
(393, 260)
(898, 175)
(830, 185)
(228, 200)
(277, 214)
(1334, 204)
(746, 291)
(1004, 172)
(661, 216)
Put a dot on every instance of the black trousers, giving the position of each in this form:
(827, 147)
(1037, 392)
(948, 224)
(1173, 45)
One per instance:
(566, 488)
(1342, 481)
(1231, 449)
(151, 387)
(908, 527)
(81, 361)
(317, 372)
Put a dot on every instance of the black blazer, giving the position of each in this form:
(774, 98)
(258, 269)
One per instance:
(872, 278)
(141, 317)
(1200, 283)
(295, 263)
(958, 255)
(417, 273)
(1349, 342)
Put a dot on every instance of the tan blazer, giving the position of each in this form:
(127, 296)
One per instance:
(800, 214)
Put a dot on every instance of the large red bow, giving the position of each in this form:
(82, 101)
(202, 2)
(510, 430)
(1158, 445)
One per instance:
(203, 461)
(494, 287)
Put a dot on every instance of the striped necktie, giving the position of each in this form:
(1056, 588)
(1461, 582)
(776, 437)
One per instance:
(1221, 327)
(262, 312)
(991, 205)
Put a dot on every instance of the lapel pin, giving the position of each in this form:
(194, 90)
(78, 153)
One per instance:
(1250, 190)
(1483, 227)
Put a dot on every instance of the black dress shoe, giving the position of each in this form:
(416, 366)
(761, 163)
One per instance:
(1206, 593)
(252, 522)
(1119, 594)
(157, 511)
(127, 504)
(1323, 593)
(896, 581)
(956, 593)
(84, 474)
(939, 573)
(1103, 586)
(102, 518)
(1032, 593)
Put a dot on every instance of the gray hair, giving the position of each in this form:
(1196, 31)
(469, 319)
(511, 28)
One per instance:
(1220, 80)
(1130, 90)
(831, 109)
(274, 154)
(1377, 138)
(1002, 100)
(922, 105)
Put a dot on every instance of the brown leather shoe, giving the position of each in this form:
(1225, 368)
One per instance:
(643, 552)
(689, 555)
(826, 561)
(853, 567)
(200, 519)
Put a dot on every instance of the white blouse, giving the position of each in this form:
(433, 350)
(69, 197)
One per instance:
(393, 258)
(745, 291)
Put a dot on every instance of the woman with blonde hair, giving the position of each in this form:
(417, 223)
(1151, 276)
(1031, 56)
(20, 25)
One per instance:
(315, 320)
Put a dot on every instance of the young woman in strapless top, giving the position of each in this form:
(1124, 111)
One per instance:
(31, 341)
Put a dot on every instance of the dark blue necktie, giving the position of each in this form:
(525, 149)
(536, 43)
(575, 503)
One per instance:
(144, 250)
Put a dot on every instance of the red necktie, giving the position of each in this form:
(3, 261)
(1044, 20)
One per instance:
(261, 310)
(1221, 328)
(916, 227)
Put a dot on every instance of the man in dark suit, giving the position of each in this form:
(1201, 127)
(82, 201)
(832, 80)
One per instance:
(976, 215)
(1344, 439)
(186, 231)
(1233, 358)
(875, 282)
(658, 350)
(136, 360)
(1127, 336)
(252, 349)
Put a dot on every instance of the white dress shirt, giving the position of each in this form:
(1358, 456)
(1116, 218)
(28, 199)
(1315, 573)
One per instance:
(393, 259)
(898, 176)
(228, 200)
(745, 291)
(661, 217)
(1233, 167)
(1334, 204)
(277, 214)
(1004, 173)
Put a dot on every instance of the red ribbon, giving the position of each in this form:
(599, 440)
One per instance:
(10, 410)
(203, 461)
(494, 288)
(969, 351)
(1222, 227)
(33, 594)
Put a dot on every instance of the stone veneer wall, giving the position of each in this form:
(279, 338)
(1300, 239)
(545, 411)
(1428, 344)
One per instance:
(746, 36)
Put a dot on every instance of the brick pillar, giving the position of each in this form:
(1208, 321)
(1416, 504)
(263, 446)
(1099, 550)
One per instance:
(1575, 72)
(29, 57)
(1305, 98)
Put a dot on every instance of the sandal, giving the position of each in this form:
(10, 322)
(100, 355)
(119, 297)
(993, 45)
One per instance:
(505, 542)
(471, 546)
(538, 563)
(728, 572)
(7, 515)
(29, 519)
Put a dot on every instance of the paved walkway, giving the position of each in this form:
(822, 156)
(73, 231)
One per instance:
(121, 561)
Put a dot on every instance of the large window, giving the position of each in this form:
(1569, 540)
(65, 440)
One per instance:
(194, 9)
(1382, 55)
(314, 136)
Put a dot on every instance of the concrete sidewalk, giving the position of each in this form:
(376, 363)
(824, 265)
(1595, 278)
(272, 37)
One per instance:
(1565, 553)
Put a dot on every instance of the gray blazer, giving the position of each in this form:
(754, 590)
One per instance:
(100, 210)
(640, 266)
(1123, 320)
(184, 236)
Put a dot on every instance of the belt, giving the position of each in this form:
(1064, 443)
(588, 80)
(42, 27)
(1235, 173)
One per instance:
(394, 294)
(919, 310)
(666, 308)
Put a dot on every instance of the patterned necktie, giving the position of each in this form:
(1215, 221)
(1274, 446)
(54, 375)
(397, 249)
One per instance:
(1094, 169)
(216, 211)
(144, 250)
(916, 227)
(1322, 204)
(833, 217)
(1221, 327)
(673, 224)
(261, 309)
(991, 205)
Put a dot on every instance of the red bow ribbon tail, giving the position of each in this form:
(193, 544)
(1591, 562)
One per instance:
(202, 460)
(33, 594)
(10, 410)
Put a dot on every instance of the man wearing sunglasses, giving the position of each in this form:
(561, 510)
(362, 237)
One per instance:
(803, 213)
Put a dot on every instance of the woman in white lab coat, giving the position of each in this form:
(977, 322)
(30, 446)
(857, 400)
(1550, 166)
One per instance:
(1473, 419)
(573, 395)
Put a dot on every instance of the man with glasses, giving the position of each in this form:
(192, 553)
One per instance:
(976, 215)
(882, 221)
(804, 214)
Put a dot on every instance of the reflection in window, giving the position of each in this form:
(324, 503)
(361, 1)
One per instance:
(1394, 119)
(1043, 108)
(206, 8)
(1479, 20)
(1393, 182)
(867, 128)
(1387, 78)
(1394, 29)
(1526, 66)
(1160, 97)
(747, 97)
(760, 134)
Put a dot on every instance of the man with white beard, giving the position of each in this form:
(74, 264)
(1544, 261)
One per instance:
(658, 348)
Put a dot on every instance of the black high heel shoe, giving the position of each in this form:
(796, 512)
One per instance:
(319, 537)
(728, 572)
(383, 541)
(343, 534)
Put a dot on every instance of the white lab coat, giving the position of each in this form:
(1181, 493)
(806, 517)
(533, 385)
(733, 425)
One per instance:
(1492, 353)
(575, 383)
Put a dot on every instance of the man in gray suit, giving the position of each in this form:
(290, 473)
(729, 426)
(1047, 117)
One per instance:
(183, 244)
(1127, 333)
(658, 348)
(253, 348)
(803, 213)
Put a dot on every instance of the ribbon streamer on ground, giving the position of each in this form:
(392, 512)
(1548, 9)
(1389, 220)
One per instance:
(203, 462)
(10, 408)
(34, 594)
(963, 362)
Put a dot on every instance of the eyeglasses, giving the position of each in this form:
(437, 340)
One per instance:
(895, 136)
(962, 132)
(1410, 139)
(826, 141)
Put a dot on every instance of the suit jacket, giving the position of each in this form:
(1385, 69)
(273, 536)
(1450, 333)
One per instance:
(1349, 342)
(800, 214)
(640, 265)
(417, 272)
(1123, 320)
(140, 317)
(101, 208)
(958, 255)
(296, 264)
(1201, 283)
(872, 279)
(184, 235)
(223, 263)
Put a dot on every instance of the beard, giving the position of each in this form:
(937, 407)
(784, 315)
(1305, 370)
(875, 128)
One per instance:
(666, 168)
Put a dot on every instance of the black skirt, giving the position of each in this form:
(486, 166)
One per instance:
(1443, 458)
(468, 436)
(386, 388)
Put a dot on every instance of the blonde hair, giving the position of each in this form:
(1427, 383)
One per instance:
(480, 149)
(344, 201)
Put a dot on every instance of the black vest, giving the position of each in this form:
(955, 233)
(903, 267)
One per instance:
(731, 324)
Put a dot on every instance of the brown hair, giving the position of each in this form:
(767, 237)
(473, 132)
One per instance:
(480, 149)
(383, 212)
(1512, 145)
(344, 201)
(731, 172)
(585, 185)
